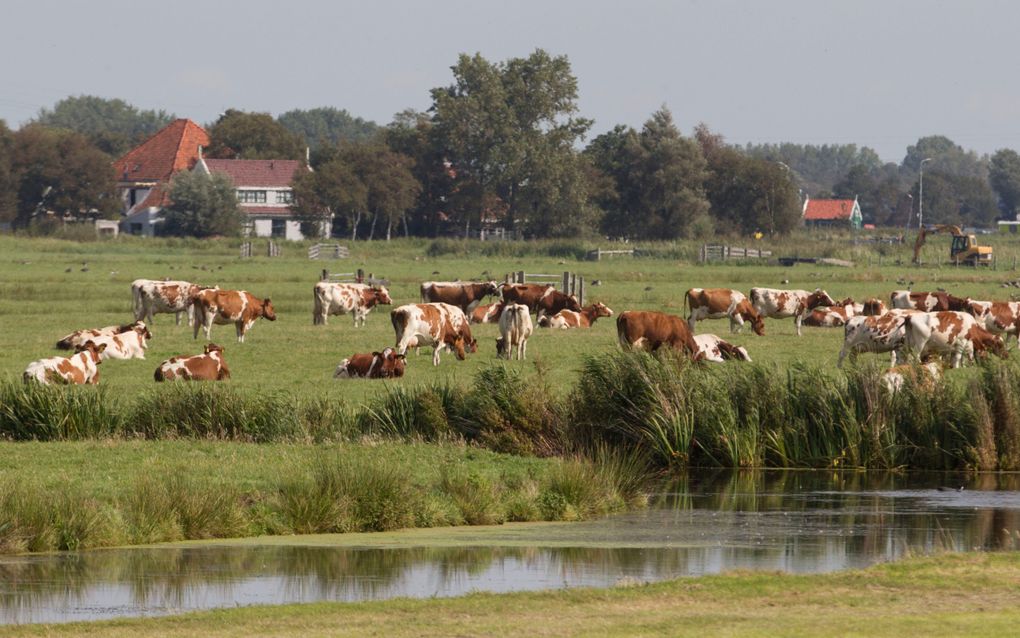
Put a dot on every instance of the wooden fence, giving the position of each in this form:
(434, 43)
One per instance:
(570, 283)
(598, 253)
(357, 277)
(272, 249)
(720, 252)
(328, 251)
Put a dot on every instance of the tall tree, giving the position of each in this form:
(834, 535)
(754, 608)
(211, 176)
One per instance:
(411, 134)
(327, 125)
(8, 185)
(111, 124)
(202, 206)
(1004, 175)
(332, 193)
(241, 135)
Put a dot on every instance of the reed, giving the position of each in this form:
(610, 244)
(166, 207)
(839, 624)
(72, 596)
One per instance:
(29, 411)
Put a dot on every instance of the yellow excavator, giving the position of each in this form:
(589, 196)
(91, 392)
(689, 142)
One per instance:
(963, 250)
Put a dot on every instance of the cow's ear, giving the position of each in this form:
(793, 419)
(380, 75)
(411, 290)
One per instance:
(101, 347)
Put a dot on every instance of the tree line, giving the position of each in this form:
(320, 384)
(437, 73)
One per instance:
(502, 146)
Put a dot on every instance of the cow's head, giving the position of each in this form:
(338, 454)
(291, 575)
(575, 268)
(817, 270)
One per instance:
(267, 309)
(94, 351)
(143, 332)
(393, 364)
(978, 308)
(491, 288)
(381, 296)
(602, 310)
(819, 298)
(985, 342)
(748, 313)
(212, 347)
(573, 303)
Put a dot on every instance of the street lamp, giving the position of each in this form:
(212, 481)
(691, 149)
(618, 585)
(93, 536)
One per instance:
(920, 194)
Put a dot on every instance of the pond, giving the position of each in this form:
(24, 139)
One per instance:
(707, 523)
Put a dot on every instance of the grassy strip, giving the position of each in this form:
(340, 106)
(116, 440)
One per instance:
(945, 595)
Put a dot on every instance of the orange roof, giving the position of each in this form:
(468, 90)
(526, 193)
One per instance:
(171, 149)
(251, 173)
(822, 209)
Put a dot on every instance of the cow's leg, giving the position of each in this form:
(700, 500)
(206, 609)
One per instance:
(736, 323)
(177, 318)
(524, 349)
(435, 353)
(191, 314)
(797, 320)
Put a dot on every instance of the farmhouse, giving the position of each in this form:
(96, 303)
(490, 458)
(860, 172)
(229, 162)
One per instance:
(832, 212)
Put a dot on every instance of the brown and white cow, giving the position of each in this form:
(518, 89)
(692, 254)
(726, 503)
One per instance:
(515, 328)
(928, 301)
(465, 295)
(125, 345)
(487, 313)
(153, 297)
(541, 299)
(208, 366)
(79, 337)
(78, 369)
(872, 307)
(650, 330)
(717, 303)
(565, 319)
(342, 299)
(439, 325)
(238, 307)
(715, 350)
(957, 334)
(833, 316)
(779, 304)
(883, 333)
(376, 365)
(924, 375)
(997, 317)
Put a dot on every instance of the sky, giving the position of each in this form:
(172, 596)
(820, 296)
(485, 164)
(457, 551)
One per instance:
(875, 73)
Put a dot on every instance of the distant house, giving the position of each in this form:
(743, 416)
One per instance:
(844, 213)
(143, 174)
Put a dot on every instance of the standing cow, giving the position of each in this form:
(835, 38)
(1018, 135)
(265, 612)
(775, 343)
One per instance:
(238, 307)
(997, 317)
(515, 328)
(153, 297)
(716, 303)
(957, 334)
(649, 330)
(541, 299)
(883, 333)
(465, 296)
(565, 319)
(79, 369)
(208, 366)
(928, 301)
(439, 325)
(779, 304)
(341, 299)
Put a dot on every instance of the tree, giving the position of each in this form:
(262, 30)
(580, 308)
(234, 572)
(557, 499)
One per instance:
(112, 125)
(957, 199)
(818, 168)
(241, 135)
(879, 191)
(8, 186)
(1004, 175)
(411, 134)
(333, 192)
(327, 125)
(202, 206)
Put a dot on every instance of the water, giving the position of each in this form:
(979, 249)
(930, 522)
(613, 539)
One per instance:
(795, 522)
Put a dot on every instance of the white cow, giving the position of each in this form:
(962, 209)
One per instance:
(957, 334)
(715, 350)
(78, 369)
(341, 299)
(515, 328)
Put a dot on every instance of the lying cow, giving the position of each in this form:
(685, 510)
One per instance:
(713, 349)
(565, 319)
(208, 366)
(125, 345)
(341, 299)
(377, 365)
(997, 317)
(466, 296)
(649, 330)
(238, 307)
(541, 299)
(487, 313)
(515, 329)
(153, 297)
(779, 304)
(928, 301)
(957, 334)
(79, 337)
(833, 316)
(884, 333)
(79, 369)
(439, 325)
(924, 375)
(872, 307)
(717, 303)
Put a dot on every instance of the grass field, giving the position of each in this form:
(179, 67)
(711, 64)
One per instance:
(943, 595)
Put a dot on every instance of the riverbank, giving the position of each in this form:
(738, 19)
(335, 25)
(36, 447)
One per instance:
(972, 594)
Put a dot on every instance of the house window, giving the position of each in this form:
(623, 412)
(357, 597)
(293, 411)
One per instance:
(284, 197)
(136, 228)
(279, 228)
(251, 197)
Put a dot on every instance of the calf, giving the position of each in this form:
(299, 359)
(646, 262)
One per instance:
(79, 369)
(928, 301)
(515, 328)
(154, 297)
(487, 313)
(125, 345)
(79, 337)
(238, 307)
(565, 319)
(439, 325)
(713, 349)
(208, 366)
(717, 303)
(884, 333)
(377, 365)
(466, 296)
(957, 334)
(341, 299)
(649, 330)
(773, 303)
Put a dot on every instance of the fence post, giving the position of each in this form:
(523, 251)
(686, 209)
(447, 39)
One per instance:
(580, 290)
(325, 275)
(520, 276)
(506, 278)
(566, 283)
(360, 276)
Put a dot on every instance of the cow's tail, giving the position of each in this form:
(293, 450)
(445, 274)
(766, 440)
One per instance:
(687, 297)
(424, 294)
(621, 330)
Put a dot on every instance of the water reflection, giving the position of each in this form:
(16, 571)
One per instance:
(704, 523)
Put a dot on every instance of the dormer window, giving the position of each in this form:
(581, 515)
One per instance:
(284, 197)
(251, 197)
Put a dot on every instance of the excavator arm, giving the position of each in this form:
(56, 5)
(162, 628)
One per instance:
(933, 230)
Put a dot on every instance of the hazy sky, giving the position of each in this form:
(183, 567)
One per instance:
(876, 73)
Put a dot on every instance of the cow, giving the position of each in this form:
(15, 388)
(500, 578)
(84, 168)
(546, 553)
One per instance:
(125, 345)
(541, 299)
(565, 319)
(154, 297)
(341, 299)
(376, 365)
(439, 325)
(208, 366)
(924, 375)
(716, 303)
(649, 330)
(713, 349)
(957, 334)
(79, 369)
(466, 296)
(997, 317)
(872, 307)
(884, 333)
(779, 304)
(833, 316)
(79, 337)
(514, 328)
(928, 301)
(238, 307)
(487, 313)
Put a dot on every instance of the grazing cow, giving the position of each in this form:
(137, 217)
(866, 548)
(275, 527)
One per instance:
(957, 334)
(79, 337)
(541, 299)
(779, 304)
(565, 319)
(514, 328)
(153, 297)
(487, 313)
(341, 299)
(78, 369)
(716, 303)
(238, 307)
(439, 325)
(712, 348)
(884, 333)
(649, 330)
(833, 316)
(125, 345)
(997, 317)
(377, 365)
(209, 366)
(924, 375)
(466, 296)
(928, 301)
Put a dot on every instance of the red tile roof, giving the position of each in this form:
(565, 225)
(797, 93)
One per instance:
(248, 173)
(823, 209)
(173, 148)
